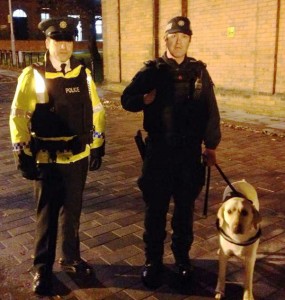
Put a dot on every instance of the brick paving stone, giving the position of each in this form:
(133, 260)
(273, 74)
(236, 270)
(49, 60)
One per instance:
(121, 295)
(126, 230)
(116, 210)
(86, 224)
(99, 239)
(14, 214)
(122, 254)
(124, 241)
(138, 292)
(101, 229)
(95, 254)
(132, 219)
(30, 227)
(15, 224)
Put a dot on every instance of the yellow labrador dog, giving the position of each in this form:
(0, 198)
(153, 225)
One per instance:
(239, 233)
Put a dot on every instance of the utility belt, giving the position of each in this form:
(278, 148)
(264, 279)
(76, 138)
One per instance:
(75, 145)
(174, 140)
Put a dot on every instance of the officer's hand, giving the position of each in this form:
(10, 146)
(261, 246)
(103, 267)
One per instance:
(96, 155)
(95, 163)
(28, 166)
(149, 98)
(209, 157)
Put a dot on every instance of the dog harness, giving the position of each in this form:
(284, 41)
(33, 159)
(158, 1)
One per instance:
(229, 239)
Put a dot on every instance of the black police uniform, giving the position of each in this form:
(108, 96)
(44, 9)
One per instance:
(60, 186)
(184, 115)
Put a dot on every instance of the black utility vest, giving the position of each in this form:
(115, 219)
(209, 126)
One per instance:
(180, 109)
(69, 110)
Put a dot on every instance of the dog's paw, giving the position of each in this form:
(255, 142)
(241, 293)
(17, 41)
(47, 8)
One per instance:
(247, 295)
(248, 298)
(219, 296)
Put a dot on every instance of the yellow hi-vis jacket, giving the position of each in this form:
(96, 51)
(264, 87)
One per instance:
(30, 91)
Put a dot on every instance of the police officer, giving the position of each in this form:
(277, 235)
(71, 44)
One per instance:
(57, 121)
(175, 92)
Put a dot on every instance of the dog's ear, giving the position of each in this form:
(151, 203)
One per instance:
(220, 216)
(256, 217)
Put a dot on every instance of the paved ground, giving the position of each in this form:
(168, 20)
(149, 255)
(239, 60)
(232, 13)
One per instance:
(112, 220)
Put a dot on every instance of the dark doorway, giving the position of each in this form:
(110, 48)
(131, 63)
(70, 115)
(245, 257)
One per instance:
(21, 28)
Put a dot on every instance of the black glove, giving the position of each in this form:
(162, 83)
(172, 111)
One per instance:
(96, 158)
(95, 163)
(28, 166)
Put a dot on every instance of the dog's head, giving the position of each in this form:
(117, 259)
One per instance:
(239, 215)
(246, 189)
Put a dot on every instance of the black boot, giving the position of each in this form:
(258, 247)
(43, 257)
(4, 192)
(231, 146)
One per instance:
(185, 269)
(151, 274)
(42, 283)
(76, 266)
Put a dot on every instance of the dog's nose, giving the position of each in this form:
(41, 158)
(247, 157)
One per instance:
(237, 228)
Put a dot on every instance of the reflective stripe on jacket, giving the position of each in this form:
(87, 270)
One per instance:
(29, 92)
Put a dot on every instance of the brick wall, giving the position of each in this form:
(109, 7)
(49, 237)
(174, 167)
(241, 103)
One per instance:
(136, 35)
(111, 51)
(230, 57)
(237, 40)
(280, 81)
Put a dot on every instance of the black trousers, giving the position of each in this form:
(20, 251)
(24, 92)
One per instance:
(170, 172)
(59, 202)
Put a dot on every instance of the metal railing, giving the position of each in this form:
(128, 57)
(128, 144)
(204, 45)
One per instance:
(23, 58)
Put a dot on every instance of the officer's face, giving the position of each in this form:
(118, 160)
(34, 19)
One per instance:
(59, 50)
(177, 45)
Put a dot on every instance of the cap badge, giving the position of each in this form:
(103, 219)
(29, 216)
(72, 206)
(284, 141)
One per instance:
(181, 23)
(62, 24)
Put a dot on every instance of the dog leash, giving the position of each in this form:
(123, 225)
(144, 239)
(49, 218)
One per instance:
(208, 179)
(235, 192)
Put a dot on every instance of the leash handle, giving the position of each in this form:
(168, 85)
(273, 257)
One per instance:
(140, 144)
(227, 181)
(206, 200)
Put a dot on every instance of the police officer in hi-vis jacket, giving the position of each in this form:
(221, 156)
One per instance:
(57, 126)
(175, 93)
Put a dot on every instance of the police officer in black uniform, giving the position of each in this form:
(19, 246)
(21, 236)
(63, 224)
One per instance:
(175, 92)
(57, 122)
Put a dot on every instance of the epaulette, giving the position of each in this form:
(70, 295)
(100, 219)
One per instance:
(202, 66)
(150, 63)
(158, 62)
(199, 62)
(191, 59)
(39, 66)
(202, 63)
